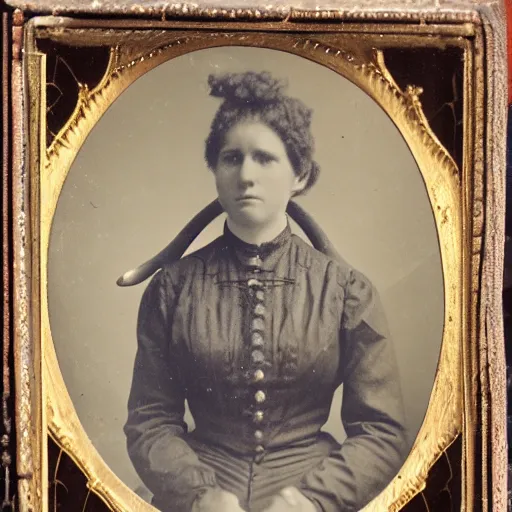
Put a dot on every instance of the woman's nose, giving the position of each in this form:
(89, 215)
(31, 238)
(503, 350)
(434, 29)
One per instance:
(247, 172)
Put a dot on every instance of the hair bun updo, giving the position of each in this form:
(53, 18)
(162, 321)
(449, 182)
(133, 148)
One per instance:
(246, 87)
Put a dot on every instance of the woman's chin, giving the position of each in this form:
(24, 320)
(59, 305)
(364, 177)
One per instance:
(249, 218)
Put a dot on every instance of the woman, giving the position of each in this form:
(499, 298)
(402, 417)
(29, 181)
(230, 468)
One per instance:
(257, 330)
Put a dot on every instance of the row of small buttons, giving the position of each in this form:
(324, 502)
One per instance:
(257, 345)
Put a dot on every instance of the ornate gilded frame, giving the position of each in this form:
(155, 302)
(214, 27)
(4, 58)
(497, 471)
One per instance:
(468, 400)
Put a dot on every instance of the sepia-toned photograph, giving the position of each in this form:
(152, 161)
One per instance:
(245, 287)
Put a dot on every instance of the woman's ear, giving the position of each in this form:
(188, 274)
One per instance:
(299, 184)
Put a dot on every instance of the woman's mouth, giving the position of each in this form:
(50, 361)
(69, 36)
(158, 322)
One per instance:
(247, 199)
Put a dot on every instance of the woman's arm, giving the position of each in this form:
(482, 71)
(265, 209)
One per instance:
(372, 410)
(155, 427)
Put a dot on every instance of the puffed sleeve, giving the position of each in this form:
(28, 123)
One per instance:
(372, 410)
(155, 429)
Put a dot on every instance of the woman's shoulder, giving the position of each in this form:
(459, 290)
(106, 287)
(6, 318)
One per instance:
(196, 261)
(333, 267)
(361, 300)
(169, 279)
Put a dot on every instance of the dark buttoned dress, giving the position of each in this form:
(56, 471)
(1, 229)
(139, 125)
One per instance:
(257, 339)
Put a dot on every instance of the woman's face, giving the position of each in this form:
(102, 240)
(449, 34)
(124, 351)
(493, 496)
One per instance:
(254, 177)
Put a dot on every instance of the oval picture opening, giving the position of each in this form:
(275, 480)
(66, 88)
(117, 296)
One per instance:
(286, 355)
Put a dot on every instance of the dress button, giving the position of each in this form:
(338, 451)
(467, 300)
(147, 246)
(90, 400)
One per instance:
(258, 324)
(259, 396)
(257, 340)
(259, 310)
(254, 283)
(258, 435)
(254, 261)
(258, 375)
(260, 295)
(258, 416)
(259, 449)
(257, 357)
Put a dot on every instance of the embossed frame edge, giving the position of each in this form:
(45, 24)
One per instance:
(369, 72)
(487, 361)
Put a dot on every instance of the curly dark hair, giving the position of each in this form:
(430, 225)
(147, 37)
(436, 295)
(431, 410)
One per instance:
(259, 96)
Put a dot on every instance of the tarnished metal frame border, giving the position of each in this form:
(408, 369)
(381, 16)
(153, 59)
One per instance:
(369, 71)
(487, 122)
(363, 11)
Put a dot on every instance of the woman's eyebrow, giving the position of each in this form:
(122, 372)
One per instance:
(229, 150)
(266, 153)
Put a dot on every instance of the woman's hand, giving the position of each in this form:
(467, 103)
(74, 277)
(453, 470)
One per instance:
(290, 499)
(217, 500)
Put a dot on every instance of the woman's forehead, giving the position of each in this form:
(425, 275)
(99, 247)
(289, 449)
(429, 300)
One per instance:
(253, 134)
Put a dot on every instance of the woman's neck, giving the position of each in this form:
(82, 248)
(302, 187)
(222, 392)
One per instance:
(258, 235)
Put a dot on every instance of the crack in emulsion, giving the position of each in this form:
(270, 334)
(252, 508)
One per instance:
(69, 69)
(453, 107)
(55, 93)
(67, 483)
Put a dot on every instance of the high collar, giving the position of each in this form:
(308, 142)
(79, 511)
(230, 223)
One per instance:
(268, 252)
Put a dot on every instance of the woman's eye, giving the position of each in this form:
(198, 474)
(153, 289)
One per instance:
(230, 159)
(263, 158)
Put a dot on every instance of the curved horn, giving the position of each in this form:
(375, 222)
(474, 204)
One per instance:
(175, 250)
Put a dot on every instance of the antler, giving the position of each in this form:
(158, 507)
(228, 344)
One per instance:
(175, 250)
